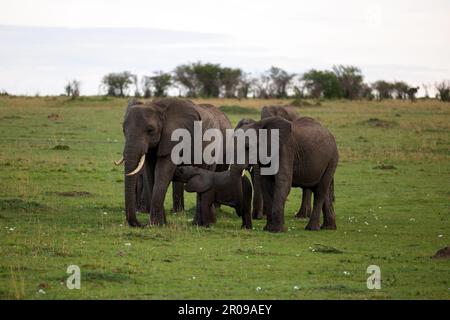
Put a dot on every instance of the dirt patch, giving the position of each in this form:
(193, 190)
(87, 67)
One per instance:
(61, 147)
(74, 194)
(19, 204)
(378, 123)
(385, 167)
(324, 249)
(54, 117)
(442, 253)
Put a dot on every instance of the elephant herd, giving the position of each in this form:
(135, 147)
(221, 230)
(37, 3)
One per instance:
(307, 157)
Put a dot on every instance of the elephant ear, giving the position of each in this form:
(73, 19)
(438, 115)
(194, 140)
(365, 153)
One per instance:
(177, 114)
(284, 127)
(198, 183)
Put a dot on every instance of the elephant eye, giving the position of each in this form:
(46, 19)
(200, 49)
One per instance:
(150, 130)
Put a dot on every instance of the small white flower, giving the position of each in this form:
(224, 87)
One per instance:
(105, 213)
(385, 227)
(440, 235)
(359, 230)
(412, 219)
(346, 273)
(296, 288)
(259, 247)
(193, 278)
(268, 266)
(12, 229)
(127, 243)
(201, 248)
(41, 291)
(366, 223)
(379, 207)
(375, 235)
(258, 288)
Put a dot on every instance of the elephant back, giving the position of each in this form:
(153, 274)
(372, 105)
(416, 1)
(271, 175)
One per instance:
(285, 112)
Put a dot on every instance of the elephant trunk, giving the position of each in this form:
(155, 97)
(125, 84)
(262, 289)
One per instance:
(131, 162)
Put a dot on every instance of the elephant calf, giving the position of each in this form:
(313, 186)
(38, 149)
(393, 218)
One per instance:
(231, 188)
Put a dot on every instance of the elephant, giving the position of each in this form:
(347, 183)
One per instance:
(142, 187)
(231, 188)
(308, 157)
(147, 128)
(289, 113)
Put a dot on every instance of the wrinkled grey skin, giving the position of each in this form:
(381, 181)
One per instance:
(230, 188)
(308, 158)
(289, 113)
(147, 128)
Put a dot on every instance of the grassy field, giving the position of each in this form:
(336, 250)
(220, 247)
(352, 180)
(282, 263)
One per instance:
(61, 204)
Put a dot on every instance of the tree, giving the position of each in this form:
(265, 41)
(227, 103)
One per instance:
(137, 93)
(208, 76)
(72, 88)
(400, 88)
(146, 87)
(244, 86)
(117, 84)
(263, 87)
(351, 80)
(160, 82)
(443, 89)
(411, 92)
(322, 84)
(231, 79)
(280, 81)
(384, 89)
(186, 77)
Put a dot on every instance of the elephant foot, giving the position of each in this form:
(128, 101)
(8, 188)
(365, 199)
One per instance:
(177, 210)
(157, 219)
(301, 215)
(330, 226)
(274, 228)
(257, 215)
(247, 226)
(312, 226)
(134, 223)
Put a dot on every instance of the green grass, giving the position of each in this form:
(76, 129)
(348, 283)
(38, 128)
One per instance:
(61, 203)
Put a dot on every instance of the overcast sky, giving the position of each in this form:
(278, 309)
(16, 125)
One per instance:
(44, 43)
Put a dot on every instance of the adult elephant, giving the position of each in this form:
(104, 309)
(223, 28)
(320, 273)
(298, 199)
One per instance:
(289, 113)
(143, 189)
(308, 158)
(148, 129)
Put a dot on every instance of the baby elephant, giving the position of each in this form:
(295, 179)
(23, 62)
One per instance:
(231, 188)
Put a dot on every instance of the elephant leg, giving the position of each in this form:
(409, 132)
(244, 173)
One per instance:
(147, 181)
(329, 216)
(257, 194)
(177, 197)
(321, 194)
(205, 209)
(246, 217)
(281, 191)
(164, 171)
(305, 208)
(267, 194)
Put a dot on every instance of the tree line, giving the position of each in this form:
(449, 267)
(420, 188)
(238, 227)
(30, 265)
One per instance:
(209, 80)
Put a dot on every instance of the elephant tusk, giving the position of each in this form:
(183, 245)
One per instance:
(243, 173)
(139, 167)
(251, 169)
(118, 162)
